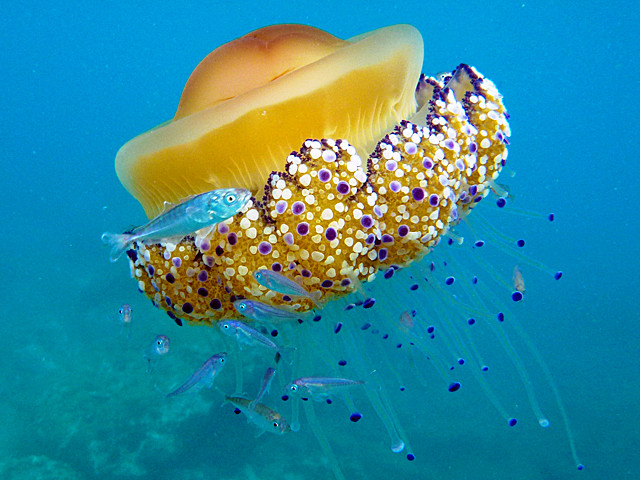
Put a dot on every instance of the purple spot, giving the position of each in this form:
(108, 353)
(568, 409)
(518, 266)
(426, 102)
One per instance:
(485, 368)
(281, 206)
(411, 457)
(292, 266)
(297, 208)
(151, 270)
(215, 304)
(369, 302)
(355, 417)
(516, 296)
(264, 248)
(501, 202)
(327, 284)
(170, 278)
(370, 239)
(411, 148)
(219, 250)
(479, 243)
(366, 326)
(205, 246)
(471, 321)
(551, 217)
(324, 175)
(473, 147)
(168, 300)
(450, 144)
(473, 189)
(345, 282)
(177, 261)
(520, 243)
(203, 275)
(460, 164)
(187, 308)
(386, 238)
(434, 199)
(342, 363)
(454, 387)
(305, 273)
(330, 234)
(337, 328)
(285, 398)
(377, 210)
(391, 165)
(274, 333)
(558, 275)
(382, 254)
(317, 318)
(427, 163)
(302, 228)
(203, 292)
(414, 287)
(232, 238)
(366, 221)
(223, 228)
(276, 267)
(208, 260)
(512, 422)
(343, 187)
(288, 238)
(500, 317)
(403, 230)
(449, 280)
(395, 186)
(474, 280)
(388, 273)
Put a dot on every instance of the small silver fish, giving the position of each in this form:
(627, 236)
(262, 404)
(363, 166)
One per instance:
(159, 346)
(125, 314)
(261, 312)
(243, 333)
(320, 387)
(279, 283)
(204, 376)
(191, 215)
(518, 280)
(265, 418)
(264, 387)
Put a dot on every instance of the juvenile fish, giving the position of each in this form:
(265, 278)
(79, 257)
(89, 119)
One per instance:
(261, 312)
(125, 314)
(204, 376)
(266, 419)
(159, 347)
(518, 281)
(320, 387)
(264, 387)
(197, 212)
(243, 333)
(279, 283)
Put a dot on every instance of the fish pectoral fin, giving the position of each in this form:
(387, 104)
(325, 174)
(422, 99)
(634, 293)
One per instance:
(259, 432)
(205, 232)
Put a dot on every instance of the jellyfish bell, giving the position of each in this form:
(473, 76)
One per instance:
(252, 101)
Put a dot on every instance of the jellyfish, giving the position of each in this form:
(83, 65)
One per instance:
(360, 167)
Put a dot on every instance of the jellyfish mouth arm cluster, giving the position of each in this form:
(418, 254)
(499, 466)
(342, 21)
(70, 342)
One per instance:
(332, 218)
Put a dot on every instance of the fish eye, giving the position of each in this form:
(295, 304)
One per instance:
(242, 306)
(225, 326)
(293, 388)
(231, 198)
(222, 360)
(276, 424)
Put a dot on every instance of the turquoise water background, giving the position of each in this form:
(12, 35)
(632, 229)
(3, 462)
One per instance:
(79, 79)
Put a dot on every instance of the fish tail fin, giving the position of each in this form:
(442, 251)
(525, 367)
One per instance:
(119, 244)
(286, 354)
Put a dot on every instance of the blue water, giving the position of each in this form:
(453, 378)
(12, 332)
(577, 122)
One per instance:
(80, 79)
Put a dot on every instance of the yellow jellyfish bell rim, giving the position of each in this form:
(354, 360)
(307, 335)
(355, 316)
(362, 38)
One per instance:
(366, 51)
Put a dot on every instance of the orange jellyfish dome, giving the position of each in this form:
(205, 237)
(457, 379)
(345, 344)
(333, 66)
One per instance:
(252, 101)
